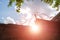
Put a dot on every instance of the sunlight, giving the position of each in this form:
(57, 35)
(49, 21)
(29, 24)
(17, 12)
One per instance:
(34, 28)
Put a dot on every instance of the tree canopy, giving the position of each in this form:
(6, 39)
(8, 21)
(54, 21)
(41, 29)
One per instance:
(55, 3)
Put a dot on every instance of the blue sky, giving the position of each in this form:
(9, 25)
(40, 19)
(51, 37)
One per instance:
(35, 6)
(6, 11)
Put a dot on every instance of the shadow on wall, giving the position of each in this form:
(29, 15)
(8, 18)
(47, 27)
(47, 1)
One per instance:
(20, 32)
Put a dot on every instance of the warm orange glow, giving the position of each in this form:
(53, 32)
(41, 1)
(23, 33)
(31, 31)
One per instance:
(35, 29)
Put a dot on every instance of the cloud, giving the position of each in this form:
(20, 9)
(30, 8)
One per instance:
(42, 10)
(37, 7)
(9, 20)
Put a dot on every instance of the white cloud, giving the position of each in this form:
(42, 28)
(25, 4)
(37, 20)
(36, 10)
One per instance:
(9, 20)
(37, 7)
(42, 10)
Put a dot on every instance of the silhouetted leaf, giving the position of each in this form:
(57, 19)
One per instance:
(19, 3)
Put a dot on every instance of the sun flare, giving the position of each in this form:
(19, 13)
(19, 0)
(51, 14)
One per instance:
(34, 28)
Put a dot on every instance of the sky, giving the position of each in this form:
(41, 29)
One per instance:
(28, 9)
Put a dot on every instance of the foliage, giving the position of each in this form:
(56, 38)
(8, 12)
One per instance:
(56, 3)
(19, 3)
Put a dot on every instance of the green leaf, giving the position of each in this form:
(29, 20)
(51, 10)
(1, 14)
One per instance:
(50, 2)
(11, 2)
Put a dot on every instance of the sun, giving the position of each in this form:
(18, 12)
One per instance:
(34, 28)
